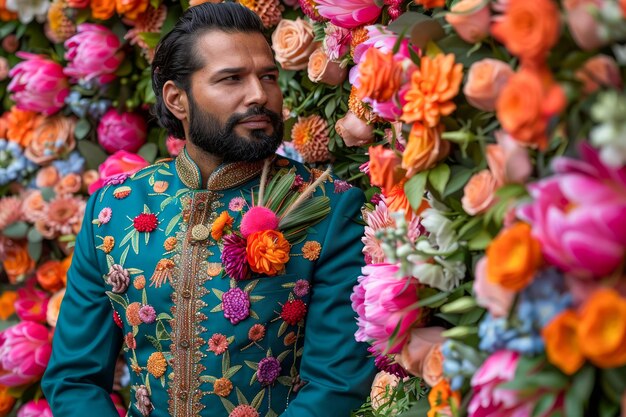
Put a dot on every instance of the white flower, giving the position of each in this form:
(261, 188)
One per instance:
(441, 233)
(29, 9)
(444, 275)
(610, 135)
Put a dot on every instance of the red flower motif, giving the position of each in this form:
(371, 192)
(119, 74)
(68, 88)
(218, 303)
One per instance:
(145, 222)
(117, 319)
(293, 311)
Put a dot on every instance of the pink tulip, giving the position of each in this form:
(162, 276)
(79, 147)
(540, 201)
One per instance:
(381, 300)
(35, 408)
(174, 146)
(579, 215)
(38, 84)
(349, 13)
(117, 168)
(24, 353)
(93, 53)
(31, 303)
(122, 131)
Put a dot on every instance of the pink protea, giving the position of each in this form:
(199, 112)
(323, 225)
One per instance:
(381, 300)
(35, 408)
(38, 84)
(24, 353)
(120, 164)
(122, 131)
(349, 13)
(31, 303)
(93, 53)
(579, 215)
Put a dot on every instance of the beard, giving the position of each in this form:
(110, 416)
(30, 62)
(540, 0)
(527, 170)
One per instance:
(207, 133)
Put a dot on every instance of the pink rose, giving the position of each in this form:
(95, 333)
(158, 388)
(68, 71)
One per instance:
(582, 24)
(381, 300)
(122, 131)
(38, 84)
(508, 160)
(322, 70)
(24, 353)
(470, 19)
(479, 193)
(599, 71)
(354, 131)
(421, 355)
(119, 166)
(349, 13)
(496, 299)
(485, 81)
(35, 408)
(174, 145)
(93, 53)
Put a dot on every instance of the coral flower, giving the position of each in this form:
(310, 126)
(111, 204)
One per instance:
(21, 125)
(433, 86)
(52, 139)
(150, 21)
(380, 75)
(270, 11)
(102, 9)
(60, 27)
(349, 13)
(310, 138)
(441, 398)
(425, 149)
(267, 252)
(385, 169)
(17, 262)
(223, 221)
(7, 304)
(50, 275)
(131, 8)
(562, 344)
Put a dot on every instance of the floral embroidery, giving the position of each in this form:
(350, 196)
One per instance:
(224, 221)
(218, 343)
(132, 314)
(311, 250)
(104, 216)
(121, 192)
(142, 401)
(157, 364)
(298, 182)
(117, 319)
(290, 338)
(222, 387)
(256, 333)
(236, 305)
(139, 282)
(130, 341)
(145, 222)
(162, 272)
(237, 204)
(268, 370)
(213, 269)
(170, 243)
(160, 186)
(301, 288)
(119, 278)
(107, 244)
(234, 257)
(293, 311)
(244, 410)
(267, 252)
(147, 314)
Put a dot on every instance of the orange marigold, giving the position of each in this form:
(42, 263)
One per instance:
(433, 86)
(380, 75)
(132, 314)
(360, 109)
(131, 8)
(108, 243)
(310, 138)
(267, 252)
(157, 364)
(440, 397)
(311, 250)
(7, 307)
(222, 387)
(170, 243)
(21, 125)
(562, 346)
(223, 221)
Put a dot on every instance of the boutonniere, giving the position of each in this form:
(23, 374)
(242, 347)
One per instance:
(279, 215)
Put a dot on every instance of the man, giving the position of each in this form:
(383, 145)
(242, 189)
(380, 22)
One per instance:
(217, 316)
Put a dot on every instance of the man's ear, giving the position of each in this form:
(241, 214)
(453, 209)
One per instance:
(175, 99)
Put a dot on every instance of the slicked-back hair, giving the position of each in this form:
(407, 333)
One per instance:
(176, 56)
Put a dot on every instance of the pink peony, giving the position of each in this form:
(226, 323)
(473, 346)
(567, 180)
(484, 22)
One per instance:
(38, 84)
(24, 353)
(174, 145)
(579, 215)
(35, 408)
(122, 131)
(32, 303)
(381, 301)
(349, 13)
(93, 53)
(120, 163)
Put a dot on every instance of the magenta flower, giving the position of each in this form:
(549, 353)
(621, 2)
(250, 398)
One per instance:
(31, 303)
(382, 301)
(236, 304)
(122, 131)
(349, 13)
(117, 168)
(174, 146)
(579, 215)
(268, 370)
(234, 257)
(93, 53)
(35, 408)
(38, 84)
(24, 353)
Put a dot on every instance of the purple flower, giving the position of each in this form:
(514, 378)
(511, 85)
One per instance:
(147, 314)
(236, 204)
(119, 278)
(234, 257)
(236, 305)
(342, 186)
(302, 288)
(384, 363)
(105, 215)
(116, 179)
(268, 370)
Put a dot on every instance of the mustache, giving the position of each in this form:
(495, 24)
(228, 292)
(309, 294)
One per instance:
(274, 117)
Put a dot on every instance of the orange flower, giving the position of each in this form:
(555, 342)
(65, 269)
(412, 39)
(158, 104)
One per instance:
(222, 387)
(17, 263)
(7, 299)
(440, 397)
(53, 137)
(310, 138)
(311, 250)
(54, 306)
(525, 105)
(69, 184)
(50, 275)
(385, 167)
(7, 401)
(223, 221)
(431, 4)
(170, 243)
(479, 193)
(396, 200)
(379, 74)
(562, 345)
(602, 329)
(132, 314)
(433, 86)
(513, 257)
(425, 149)
(21, 124)
(6, 16)
(157, 364)
(524, 32)
(131, 8)
(60, 26)
(270, 11)
(65, 264)
(102, 9)
(267, 252)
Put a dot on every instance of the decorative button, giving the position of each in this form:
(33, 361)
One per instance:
(184, 344)
(201, 206)
(200, 232)
(182, 395)
(186, 294)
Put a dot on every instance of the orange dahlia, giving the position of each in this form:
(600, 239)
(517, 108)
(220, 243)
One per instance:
(270, 11)
(267, 252)
(310, 138)
(379, 74)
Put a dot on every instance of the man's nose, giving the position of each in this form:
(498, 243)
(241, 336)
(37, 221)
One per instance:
(256, 94)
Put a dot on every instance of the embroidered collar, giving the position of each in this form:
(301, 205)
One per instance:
(225, 176)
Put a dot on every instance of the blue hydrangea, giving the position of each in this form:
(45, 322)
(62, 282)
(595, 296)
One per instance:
(74, 164)
(13, 164)
(460, 362)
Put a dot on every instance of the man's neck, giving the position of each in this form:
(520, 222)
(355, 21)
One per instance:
(207, 163)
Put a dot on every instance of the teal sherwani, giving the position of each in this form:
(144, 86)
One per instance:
(147, 277)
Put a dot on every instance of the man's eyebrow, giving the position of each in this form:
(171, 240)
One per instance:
(237, 70)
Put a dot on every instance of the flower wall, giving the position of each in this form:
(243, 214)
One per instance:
(489, 138)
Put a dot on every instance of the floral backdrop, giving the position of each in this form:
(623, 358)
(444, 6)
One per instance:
(488, 136)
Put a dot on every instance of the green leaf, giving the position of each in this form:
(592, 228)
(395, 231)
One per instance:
(225, 362)
(241, 399)
(34, 250)
(232, 371)
(124, 255)
(422, 28)
(17, 230)
(414, 189)
(135, 243)
(117, 299)
(161, 333)
(282, 329)
(438, 177)
(155, 342)
(283, 355)
(82, 129)
(329, 109)
(583, 383)
(459, 177)
(148, 152)
(258, 399)
(164, 316)
(172, 224)
(544, 404)
(480, 241)
(460, 305)
(459, 332)
(228, 405)
(93, 154)
(252, 365)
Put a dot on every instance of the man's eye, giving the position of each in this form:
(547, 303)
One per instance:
(232, 78)
(271, 77)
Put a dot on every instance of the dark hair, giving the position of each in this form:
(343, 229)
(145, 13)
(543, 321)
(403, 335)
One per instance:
(176, 58)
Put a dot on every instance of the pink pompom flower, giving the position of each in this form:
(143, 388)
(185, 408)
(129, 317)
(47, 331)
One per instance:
(24, 353)
(258, 219)
(122, 131)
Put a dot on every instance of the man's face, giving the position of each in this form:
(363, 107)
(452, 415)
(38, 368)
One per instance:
(235, 102)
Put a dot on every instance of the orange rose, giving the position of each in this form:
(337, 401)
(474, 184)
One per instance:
(69, 184)
(424, 149)
(421, 356)
(381, 388)
(131, 8)
(479, 193)
(513, 257)
(602, 329)
(54, 306)
(562, 343)
(102, 9)
(485, 81)
(47, 177)
(380, 76)
(267, 252)
(597, 72)
(7, 401)
(385, 167)
(470, 19)
(52, 138)
(526, 104)
(7, 307)
(17, 263)
(292, 41)
(526, 33)
(50, 275)
(440, 397)
(354, 131)
(223, 221)
(322, 70)
(433, 87)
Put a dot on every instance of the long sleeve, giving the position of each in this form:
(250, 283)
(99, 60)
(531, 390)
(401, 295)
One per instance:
(336, 368)
(86, 341)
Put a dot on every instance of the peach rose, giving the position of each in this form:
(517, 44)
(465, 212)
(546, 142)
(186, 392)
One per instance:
(354, 131)
(495, 298)
(470, 19)
(89, 177)
(508, 161)
(34, 206)
(323, 70)
(424, 149)
(485, 80)
(53, 138)
(292, 42)
(54, 305)
(383, 384)
(69, 184)
(4, 68)
(597, 72)
(583, 25)
(385, 167)
(47, 177)
(421, 355)
(479, 193)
